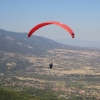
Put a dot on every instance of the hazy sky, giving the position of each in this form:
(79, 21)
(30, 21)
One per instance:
(83, 16)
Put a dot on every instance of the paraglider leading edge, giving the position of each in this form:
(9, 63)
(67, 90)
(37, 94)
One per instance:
(35, 28)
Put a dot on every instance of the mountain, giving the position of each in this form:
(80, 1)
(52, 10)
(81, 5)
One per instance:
(80, 43)
(37, 45)
(17, 50)
(20, 43)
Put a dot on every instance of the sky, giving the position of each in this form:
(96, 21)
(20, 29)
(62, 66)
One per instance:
(82, 16)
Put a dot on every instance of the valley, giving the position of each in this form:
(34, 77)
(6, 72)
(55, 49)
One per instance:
(24, 67)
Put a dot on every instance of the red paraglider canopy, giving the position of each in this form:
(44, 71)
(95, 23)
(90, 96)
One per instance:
(51, 22)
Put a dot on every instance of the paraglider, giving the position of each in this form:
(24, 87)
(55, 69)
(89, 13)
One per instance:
(35, 28)
(50, 66)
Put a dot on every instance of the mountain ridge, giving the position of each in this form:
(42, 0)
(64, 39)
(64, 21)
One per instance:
(37, 45)
(19, 42)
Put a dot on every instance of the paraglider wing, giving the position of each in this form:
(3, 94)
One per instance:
(48, 23)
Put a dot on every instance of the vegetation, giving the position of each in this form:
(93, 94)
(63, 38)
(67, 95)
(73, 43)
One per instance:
(9, 94)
